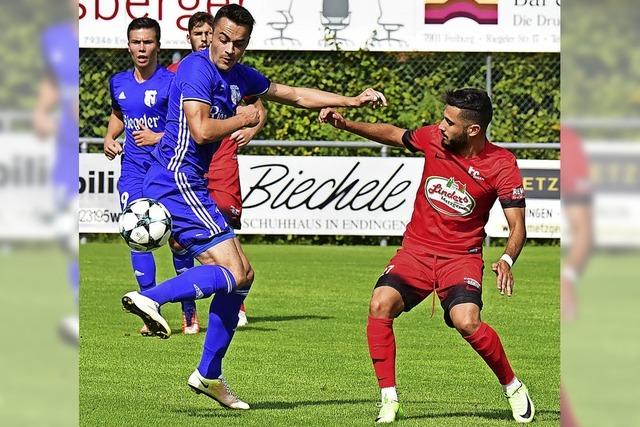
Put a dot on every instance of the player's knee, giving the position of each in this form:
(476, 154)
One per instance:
(250, 275)
(466, 324)
(382, 307)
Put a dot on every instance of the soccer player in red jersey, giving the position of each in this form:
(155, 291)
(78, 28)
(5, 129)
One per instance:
(224, 174)
(575, 186)
(441, 250)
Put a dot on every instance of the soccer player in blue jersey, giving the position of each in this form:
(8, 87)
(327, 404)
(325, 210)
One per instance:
(203, 109)
(139, 100)
(59, 90)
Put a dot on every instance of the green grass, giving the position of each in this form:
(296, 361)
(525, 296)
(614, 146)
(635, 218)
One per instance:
(600, 348)
(303, 360)
(38, 371)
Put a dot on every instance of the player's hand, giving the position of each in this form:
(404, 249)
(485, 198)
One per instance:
(331, 116)
(145, 137)
(112, 149)
(249, 114)
(371, 97)
(504, 277)
(243, 136)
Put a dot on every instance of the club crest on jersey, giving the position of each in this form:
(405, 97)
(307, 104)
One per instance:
(150, 97)
(449, 196)
(235, 94)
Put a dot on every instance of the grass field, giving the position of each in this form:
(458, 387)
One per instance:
(600, 348)
(38, 370)
(303, 359)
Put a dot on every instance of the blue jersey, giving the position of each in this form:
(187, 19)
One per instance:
(140, 104)
(198, 79)
(59, 45)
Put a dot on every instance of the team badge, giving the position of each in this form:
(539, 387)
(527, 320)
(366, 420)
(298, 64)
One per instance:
(150, 97)
(449, 196)
(235, 94)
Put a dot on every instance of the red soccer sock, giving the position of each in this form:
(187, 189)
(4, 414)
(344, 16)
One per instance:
(486, 342)
(382, 348)
(567, 418)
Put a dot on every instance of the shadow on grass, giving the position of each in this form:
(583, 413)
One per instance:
(259, 319)
(489, 415)
(293, 405)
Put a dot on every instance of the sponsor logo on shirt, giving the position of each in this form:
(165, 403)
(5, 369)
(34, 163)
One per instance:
(449, 196)
(150, 97)
(136, 123)
(517, 193)
(475, 174)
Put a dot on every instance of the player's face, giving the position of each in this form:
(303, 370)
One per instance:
(143, 47)
(228, 44)
(200, 37)
(453, 129)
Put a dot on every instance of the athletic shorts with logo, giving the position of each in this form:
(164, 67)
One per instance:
(223, 182)
(197, 223)
(131, 181)
(415, 275)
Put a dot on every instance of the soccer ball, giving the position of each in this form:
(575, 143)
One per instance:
(145, 225)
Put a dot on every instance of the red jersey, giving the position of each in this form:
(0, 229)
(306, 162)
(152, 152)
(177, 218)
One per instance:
(173, 67)
(574, 173)
(456, 194)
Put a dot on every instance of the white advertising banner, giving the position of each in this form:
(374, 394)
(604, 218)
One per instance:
(378, 25)
(25, 188)
(370, 196)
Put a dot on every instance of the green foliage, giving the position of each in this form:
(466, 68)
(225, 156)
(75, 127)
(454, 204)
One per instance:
(526, 92)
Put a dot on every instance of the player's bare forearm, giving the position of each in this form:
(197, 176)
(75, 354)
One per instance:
(380, 132)
(115, 126)
(517, 232)
(580, 223)
(205, 130)
(309, 98)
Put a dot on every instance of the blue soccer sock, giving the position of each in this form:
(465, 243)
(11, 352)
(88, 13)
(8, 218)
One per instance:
(196, 283)
(144, 268)
(223, 319)
(182, 261)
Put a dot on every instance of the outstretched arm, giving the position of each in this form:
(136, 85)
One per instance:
(380, 132)
(313, 98)
(515, 243)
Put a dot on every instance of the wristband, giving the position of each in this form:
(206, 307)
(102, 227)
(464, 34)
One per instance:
(506, 258)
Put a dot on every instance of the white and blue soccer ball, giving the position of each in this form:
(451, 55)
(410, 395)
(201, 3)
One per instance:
(145, 225)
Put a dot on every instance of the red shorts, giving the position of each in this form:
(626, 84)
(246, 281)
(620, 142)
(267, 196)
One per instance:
(224, 182)
(456, 280)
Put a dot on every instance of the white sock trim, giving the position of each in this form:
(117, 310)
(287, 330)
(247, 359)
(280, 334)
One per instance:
(389, 393)
(512, 386)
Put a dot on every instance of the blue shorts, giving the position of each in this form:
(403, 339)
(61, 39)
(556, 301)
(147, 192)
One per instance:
(197, 223)
(131, 181)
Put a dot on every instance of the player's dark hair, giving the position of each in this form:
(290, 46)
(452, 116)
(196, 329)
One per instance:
(475, 105)
(236, 14)
(144, 23)
(198, 19)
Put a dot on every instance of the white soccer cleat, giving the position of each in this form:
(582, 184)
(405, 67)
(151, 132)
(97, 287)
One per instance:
(216, 389)
(149, 311)
(70, 329)
(242, 319)
(521, 405)
(390, 411)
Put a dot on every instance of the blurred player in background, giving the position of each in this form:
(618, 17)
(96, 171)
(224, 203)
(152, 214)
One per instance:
(59, 90)
(576, 207)
(442, 246)
(139, 101)
(203, 109)
(223, 175)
